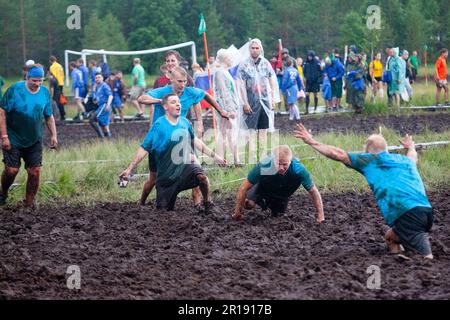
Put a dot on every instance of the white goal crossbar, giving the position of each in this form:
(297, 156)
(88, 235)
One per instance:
(86, 52)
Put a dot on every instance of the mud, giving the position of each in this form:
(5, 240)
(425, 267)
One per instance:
(411, 124)
(125, 251)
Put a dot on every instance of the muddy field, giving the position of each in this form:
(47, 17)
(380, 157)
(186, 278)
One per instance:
(412, 124)
(129, 252)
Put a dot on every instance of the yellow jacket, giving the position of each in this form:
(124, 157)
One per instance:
(58, 72)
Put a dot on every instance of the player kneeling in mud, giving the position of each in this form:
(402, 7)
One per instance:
(170, 145)
(396, 185)
(271, 183)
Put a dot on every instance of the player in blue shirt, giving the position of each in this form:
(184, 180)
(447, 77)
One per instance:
(290, 87)
(189, 97)
(100, 118)
(22, 110)
(78, 90)
(396, 185)
(273, 181)
(85, 72)
(170, 141)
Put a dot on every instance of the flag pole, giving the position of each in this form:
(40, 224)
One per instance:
(426, 65)
(205, 43)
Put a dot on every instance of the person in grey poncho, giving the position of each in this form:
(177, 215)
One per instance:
(227, 96)
(259, 92)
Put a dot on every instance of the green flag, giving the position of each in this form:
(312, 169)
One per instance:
(202, 25)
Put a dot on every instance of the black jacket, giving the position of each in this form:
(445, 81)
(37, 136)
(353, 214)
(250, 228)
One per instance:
(312, 70)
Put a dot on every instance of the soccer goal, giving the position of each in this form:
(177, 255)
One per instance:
(86, 52)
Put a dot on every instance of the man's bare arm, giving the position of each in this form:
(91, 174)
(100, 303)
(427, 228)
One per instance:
(3, 131)
(140, 154)
(50, 122)
(408, 143)
(148, 100)
(215, 105)
(331, 152)
(240, 199)
(317, 200)
(201, 146)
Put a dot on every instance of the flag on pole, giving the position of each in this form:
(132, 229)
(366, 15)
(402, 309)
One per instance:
(202, 25)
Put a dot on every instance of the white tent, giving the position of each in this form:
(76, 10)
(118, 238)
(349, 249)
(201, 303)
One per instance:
(104, 53)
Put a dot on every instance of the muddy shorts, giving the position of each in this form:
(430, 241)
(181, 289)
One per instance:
(32, 156)
(413, 227)
(79, 94)
(441, 83)
(258, 120)
(136, 92)
(336, 88)
(276, 205)
(166, 192)
(117, 103)
(151, 162)
(312, 86)
(103, 116)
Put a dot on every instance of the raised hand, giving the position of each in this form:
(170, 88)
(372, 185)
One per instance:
(302, 133)
(407, 142)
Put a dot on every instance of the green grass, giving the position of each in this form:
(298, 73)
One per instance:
(66, 181)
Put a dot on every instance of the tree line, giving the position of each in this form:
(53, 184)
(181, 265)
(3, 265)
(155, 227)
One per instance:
(36, 29)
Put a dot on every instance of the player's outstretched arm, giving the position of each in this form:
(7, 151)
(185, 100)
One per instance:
(408, 143)
(331, 152)
(140, 154)
(201, 146)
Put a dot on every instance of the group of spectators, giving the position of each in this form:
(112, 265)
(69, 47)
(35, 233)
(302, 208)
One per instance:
(298, 78)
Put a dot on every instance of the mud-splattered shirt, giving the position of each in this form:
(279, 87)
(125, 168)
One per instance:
(24, 114)
(394, 180)
(278, 185)
(170, 146)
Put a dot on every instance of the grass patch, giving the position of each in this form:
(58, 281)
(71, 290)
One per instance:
(71, 176)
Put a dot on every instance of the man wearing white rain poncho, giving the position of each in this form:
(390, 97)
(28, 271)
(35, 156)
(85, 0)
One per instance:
(227, 96)
(258, 91)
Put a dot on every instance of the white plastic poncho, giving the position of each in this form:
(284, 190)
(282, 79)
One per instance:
(258, 88)
(225, 92)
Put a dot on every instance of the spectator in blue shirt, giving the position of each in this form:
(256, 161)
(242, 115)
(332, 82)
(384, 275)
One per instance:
(85, 71)
(100, 118)
(396, 185)
(78, 90)
(335, 71)
(291, 85)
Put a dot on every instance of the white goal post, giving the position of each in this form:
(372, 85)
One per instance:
(104, 53)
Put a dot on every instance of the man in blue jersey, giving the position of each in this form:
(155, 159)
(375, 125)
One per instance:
(78, 90)
(22, 110)
(85, 71)
(100, 118)
(189, 96)
(170, 142)
(273, 181)
(396, 185)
